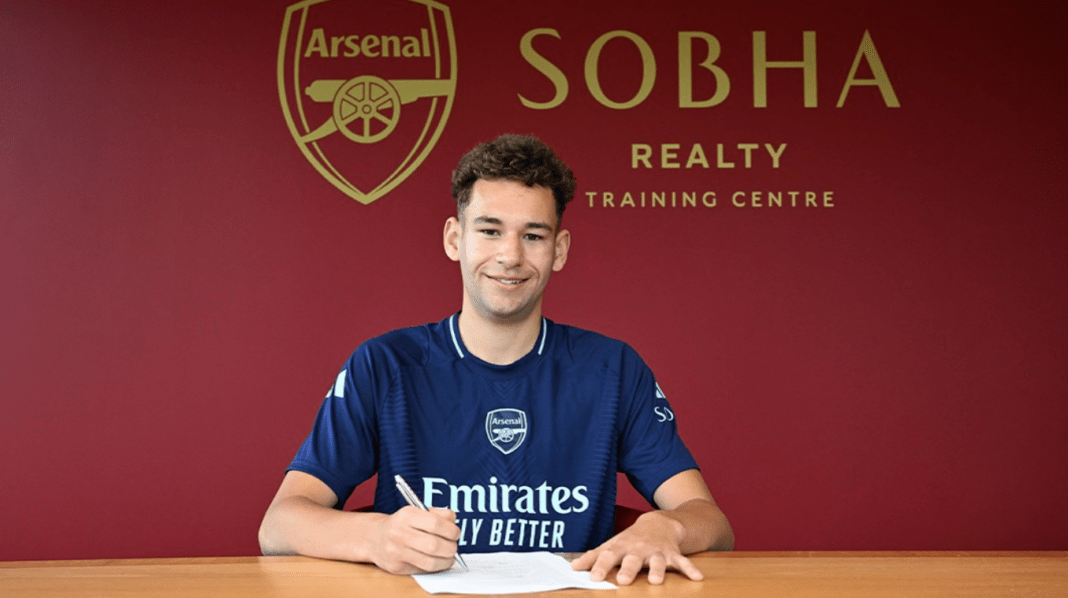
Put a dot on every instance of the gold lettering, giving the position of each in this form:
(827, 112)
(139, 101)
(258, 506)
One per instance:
(775, 154)
(371, 46)
(697, 156)
(317, 44)
(368, 45)
(868, 52)
(550, 70)
(593, 82)
(761, 66)
(412, 48)
(352, 45)
(723, 83)
(657, 199)
(668, 155)
(748, 149)
(776, 199)
(388, 40)
(720, 163)
(640, 152)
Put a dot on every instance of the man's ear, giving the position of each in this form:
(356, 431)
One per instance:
(451, 238)
(563, 244)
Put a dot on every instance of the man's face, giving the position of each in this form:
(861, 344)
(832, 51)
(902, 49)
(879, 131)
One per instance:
(507, 245)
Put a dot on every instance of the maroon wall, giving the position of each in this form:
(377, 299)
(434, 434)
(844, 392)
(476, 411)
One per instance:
(179, 283)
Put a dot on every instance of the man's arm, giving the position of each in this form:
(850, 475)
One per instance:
(688, 521)
(301, 520)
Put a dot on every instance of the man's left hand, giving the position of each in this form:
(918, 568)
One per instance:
(653, 542)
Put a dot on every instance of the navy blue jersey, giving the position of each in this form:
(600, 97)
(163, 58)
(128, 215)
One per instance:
(526, 454)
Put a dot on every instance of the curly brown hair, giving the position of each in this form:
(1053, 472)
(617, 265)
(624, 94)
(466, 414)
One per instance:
(520, 158)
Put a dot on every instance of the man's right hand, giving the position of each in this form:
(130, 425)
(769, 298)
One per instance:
(416, 541)
(302, 520)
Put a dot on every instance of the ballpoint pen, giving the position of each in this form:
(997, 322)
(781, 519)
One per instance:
(413, 500)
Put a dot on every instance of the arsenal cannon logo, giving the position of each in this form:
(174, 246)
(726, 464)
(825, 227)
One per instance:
(366, 87)
(506, 429)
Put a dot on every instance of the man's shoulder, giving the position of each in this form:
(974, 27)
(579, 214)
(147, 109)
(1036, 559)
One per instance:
(582, 343)
(577, 335)
(412, 344)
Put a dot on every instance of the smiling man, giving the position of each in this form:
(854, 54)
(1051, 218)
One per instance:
(509, 427)
(507, 241)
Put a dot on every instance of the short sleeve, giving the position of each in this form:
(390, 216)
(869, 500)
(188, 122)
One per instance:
(342, 448)
(650, 449)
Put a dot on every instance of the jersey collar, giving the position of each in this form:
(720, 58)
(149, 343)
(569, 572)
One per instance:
(458, 343)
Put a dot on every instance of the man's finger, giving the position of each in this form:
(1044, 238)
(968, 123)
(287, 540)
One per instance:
(432, 545)
(629, 569)
(686, 567)
(447, 514)
(439, 522)
(584, 561)
(426, 563)
(657, 569)
(606, 561)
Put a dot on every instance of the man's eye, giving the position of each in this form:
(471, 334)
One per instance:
(533, 237)
(489, 231)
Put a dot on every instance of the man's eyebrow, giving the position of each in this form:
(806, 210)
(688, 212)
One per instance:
(498, 222)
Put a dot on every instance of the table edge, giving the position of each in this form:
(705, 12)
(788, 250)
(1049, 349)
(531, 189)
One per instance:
(744, 554)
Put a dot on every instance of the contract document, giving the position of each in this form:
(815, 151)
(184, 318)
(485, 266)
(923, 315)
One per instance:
(509, 573)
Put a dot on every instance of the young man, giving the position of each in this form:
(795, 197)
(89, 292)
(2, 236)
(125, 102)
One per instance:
(508, 426)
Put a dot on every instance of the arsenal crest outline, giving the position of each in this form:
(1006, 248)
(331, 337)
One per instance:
(366, 87)
(506, 429)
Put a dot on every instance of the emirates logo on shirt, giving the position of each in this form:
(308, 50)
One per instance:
(506, 429)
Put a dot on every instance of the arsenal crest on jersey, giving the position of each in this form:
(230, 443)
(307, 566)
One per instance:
(366, 87)
(506, 429)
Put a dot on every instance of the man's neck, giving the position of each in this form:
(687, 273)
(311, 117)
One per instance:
(499, 342)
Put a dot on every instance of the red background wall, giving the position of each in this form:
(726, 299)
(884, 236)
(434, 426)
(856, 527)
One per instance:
(178, 285)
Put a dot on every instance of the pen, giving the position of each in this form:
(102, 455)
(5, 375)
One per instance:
(413, 500)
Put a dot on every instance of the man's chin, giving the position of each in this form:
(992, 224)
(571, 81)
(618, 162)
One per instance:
(504, 310)
(509, 314)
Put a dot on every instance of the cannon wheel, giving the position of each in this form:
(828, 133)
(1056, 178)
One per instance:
(366, 109)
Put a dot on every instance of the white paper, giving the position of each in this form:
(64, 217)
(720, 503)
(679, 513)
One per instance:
(509, 573)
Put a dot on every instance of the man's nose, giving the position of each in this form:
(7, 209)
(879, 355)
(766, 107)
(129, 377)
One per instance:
(510, 251)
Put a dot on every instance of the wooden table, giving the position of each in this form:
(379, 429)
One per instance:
(753, 574)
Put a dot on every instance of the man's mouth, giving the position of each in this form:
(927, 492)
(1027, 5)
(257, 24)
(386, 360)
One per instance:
(509, 281)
